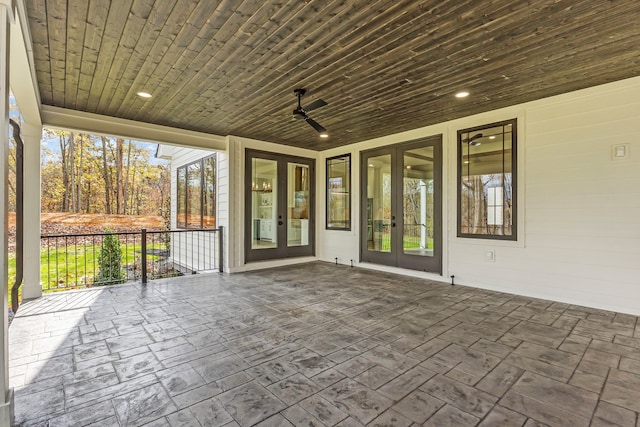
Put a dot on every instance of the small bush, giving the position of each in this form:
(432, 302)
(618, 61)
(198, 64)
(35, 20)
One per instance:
(110, 261)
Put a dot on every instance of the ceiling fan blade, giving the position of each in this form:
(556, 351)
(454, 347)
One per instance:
(315, 104)
(317, 126)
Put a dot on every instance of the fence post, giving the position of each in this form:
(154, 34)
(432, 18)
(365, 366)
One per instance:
(221, 249)
(143, 261)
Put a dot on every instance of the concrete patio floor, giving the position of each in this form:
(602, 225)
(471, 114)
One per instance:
(319, 344)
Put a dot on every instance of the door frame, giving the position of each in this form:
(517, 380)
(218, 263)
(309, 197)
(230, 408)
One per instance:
(282, 250)
(396, 257)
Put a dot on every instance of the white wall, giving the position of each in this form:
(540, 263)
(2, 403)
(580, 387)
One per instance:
(578, 207)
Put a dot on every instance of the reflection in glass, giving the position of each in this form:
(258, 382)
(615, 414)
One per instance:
(297, 204)
(339, 193)
(486, 180)
(194, 201)
(379, 203)
(264, 198)
(181, 216)
(418, 226)
(209, 193)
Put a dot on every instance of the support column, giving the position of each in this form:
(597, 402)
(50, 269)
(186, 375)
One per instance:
(31, 286)
(6, 395)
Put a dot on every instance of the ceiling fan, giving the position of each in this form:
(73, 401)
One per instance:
(301, 112)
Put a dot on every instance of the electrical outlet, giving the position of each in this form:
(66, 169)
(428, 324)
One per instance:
(490, 255)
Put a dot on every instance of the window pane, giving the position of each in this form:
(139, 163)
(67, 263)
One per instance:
(379, 203)
(181, 221)
(486, 183)
(339, 193)
(418, 202)
(298, 204)
(209, 193)
(194, 204)
(264, 198)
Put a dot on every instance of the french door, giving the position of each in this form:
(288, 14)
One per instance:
(279, 206)
(401, 205)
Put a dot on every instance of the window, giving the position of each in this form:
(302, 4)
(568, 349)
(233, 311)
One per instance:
(487, 181)
(197, 194)
(339, 193)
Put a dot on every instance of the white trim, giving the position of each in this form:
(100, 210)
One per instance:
(63, 118)
(22, 76)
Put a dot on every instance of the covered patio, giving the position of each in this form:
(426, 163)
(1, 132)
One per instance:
(321, 330)
(319, 344)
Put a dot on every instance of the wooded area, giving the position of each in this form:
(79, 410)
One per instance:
(97, 174)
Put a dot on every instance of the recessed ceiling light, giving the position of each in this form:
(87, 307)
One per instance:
(492, 137)
(466, 162)
(370, 165)
(408, 166)
(462, 94)
(144, 95)
(324, 135)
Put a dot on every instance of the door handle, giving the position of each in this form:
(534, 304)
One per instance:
(393, 224)
(280, 222)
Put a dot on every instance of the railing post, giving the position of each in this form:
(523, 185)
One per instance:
(221, 249)
(143, 261)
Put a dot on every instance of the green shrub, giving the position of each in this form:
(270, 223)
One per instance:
(110, 261)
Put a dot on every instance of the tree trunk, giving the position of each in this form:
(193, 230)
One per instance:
(81, 173)
(119, 176)
(107, 178)
(72, 171)
(125, 189)
(65, 173)
(479, 208)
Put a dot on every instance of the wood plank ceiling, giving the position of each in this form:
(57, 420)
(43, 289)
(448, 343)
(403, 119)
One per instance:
(384, 66)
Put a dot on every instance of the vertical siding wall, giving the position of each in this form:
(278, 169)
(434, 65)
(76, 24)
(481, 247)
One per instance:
(579, 207)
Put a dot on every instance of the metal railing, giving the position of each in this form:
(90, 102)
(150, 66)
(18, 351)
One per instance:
(85, 260)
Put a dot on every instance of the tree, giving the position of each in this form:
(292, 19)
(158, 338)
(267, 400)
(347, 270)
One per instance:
(110, 261)
(92, 174)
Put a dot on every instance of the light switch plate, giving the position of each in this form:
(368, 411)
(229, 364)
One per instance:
(620, 151)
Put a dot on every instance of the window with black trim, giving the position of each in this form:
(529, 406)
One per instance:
(487, 181)
(339, 192)
(196, 197)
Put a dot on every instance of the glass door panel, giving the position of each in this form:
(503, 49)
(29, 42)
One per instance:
(401, 205)
(379, 203)
(264, 203)
(297, 204)
(418, 202)
(279, 206)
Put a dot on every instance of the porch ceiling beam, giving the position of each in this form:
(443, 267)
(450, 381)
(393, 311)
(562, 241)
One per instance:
(63, 118)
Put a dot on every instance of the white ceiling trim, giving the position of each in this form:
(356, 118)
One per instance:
(62, 118)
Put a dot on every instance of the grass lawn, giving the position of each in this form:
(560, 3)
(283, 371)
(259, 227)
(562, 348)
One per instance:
(73, 267)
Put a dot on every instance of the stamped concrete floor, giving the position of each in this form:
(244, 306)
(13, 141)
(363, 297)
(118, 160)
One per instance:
(319, 344)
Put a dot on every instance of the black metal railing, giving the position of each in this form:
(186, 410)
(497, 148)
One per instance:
(86, 260)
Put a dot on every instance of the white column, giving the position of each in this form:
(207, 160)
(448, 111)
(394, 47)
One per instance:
(6, 395)
(31, 136)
